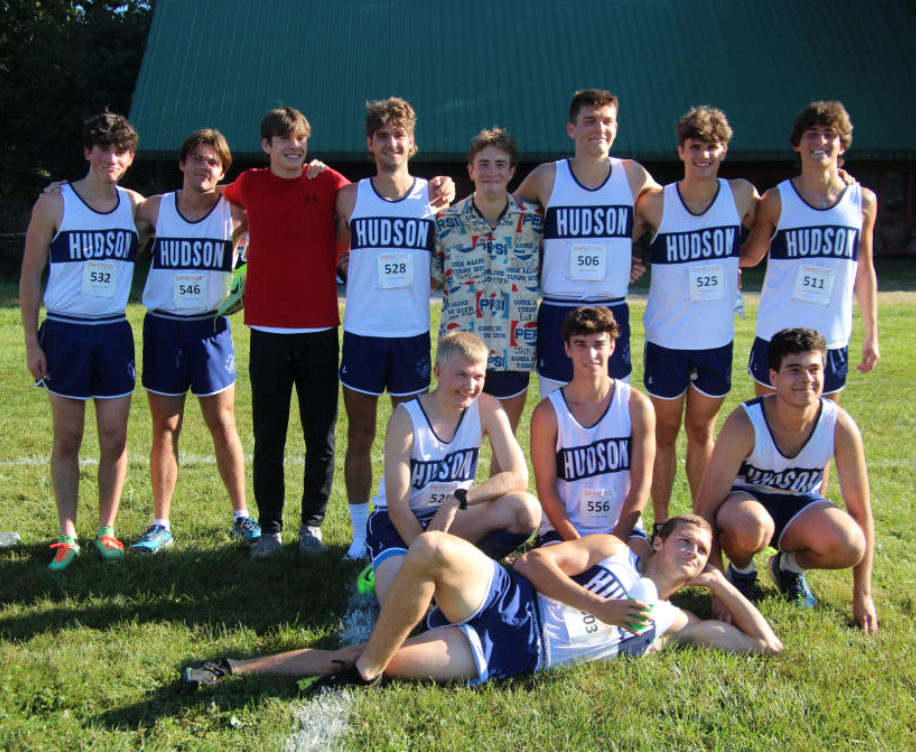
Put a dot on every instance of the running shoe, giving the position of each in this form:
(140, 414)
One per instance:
(246, 529)
(109, 547)
(744, 583)
(66, 550)
(310, 540)
(205, 673)
(155, 540)
(265, 547)
(792, 585)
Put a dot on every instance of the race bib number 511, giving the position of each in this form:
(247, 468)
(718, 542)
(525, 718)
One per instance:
(813, 284)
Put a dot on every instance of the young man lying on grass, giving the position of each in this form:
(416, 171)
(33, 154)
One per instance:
(558, 605)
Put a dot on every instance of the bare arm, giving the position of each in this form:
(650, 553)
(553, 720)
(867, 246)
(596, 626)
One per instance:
(867, 284)
(145, 228)
(767, 217)
(642, 457)
(748, 633)
(734, 443)
(544, 460)
(513, 475)
(47, 215)
(398, 445)
(853, 474)
(746, 201)
(639, 179)
(648, 212)
(549, 570)
(538, 184)
(346, 202)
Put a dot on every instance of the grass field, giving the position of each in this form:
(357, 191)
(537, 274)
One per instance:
(90, 659)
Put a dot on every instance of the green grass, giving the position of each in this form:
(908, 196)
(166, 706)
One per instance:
(90, 659)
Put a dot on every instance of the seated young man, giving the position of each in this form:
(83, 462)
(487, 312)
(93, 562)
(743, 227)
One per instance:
(557, 606)
(593, 442)
(762, 485)
(431, 452)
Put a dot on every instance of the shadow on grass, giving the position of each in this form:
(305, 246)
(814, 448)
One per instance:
(219, 586)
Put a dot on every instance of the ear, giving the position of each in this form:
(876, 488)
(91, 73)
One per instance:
(511, 172)
(471, 171)
(656, 544)
(87, 153)
(571, 130)
(265, 145)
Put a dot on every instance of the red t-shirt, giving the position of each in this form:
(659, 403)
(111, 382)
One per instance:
(293, 255)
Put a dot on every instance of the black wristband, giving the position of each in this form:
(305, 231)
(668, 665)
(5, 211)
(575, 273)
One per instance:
(462, 495)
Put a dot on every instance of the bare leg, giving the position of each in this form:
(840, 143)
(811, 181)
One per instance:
(362, 412)
(167, 412)
(745, 528)
(668, 414)
(219, 413)
(700, 426)
(440, 565)
(516, 512)
(824, 537)
(69, 418)
(514, 406)
(111, 417)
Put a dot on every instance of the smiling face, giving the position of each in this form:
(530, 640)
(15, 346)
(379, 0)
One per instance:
(800, 379)
(203, 169)
(391, 146)
(460, 379)
(491, 172)
(108, 163)
(594, 130)
(820, 145)
(287, 154)
(701, 158)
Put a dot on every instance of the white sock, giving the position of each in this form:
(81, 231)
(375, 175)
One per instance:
(359, 516)
(789, 563)
(164, 523)
(749, 569)
(239, 514)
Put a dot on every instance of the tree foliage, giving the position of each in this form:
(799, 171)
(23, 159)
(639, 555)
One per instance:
(60, 62)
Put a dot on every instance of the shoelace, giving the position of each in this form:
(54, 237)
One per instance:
(63, 548)
(110, 543)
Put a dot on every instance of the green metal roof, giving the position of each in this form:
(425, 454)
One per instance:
(516, 63)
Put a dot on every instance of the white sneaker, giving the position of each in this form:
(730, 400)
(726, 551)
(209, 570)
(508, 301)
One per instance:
(357, 551)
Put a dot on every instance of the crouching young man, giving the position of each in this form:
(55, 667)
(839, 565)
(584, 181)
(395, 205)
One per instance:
(557, 606)
(431, 452)
(762, 486)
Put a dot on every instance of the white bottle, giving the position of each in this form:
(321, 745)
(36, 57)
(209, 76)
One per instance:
(8, 540)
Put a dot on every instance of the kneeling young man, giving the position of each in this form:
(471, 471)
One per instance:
(593, 442)
(431, 452)
(762, 485)
(557, 606)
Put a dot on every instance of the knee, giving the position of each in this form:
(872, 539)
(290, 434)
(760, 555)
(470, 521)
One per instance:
(360, 438)
(745, 534)
(845, 548)
(429, 551)
(666, 432)
(113, 440)
(700, 433)
(67, 441)
(526, 511)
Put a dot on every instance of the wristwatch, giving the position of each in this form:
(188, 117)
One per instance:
(462, 495)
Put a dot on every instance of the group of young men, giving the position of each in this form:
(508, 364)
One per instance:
(599, 447)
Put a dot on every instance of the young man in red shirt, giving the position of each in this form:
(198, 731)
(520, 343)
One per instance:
(291, 308)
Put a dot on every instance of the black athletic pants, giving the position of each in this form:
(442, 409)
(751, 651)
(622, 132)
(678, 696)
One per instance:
(278, 361)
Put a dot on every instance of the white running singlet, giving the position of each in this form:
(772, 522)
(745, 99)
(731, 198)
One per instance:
(573, 636)
(593, 464)
(191, 272)
(391, 246)
(811, 269)
(691, 302)
(588, 244)
(438, 468)
(767, 469)
(91, 261)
